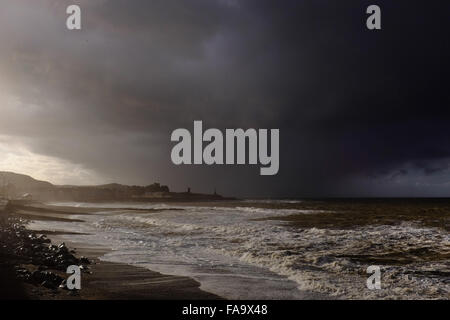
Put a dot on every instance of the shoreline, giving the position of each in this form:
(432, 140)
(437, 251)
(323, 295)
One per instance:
(281, 286)
(325, 236)
(102, 280)
(112, 281)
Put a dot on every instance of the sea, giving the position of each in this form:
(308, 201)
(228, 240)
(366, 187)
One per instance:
(277, 249)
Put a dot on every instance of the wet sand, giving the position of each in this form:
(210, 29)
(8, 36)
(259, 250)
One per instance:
(109, 280)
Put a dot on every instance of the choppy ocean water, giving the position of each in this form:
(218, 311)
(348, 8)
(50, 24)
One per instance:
(237, 252)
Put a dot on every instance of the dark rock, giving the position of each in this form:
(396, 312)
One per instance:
(43, 239)
(23, 247)
(62, 248)
(84, 260)
(46, 278)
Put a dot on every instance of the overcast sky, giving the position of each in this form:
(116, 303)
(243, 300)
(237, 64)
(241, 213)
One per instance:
(360, 113)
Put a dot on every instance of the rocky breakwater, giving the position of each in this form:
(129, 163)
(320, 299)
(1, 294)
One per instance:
(34, 259)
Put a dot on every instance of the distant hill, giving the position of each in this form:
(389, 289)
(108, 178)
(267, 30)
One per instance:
(19, 186)
(112, 186)
(22, 181)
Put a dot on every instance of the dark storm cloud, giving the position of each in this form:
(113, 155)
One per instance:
(351, 105)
